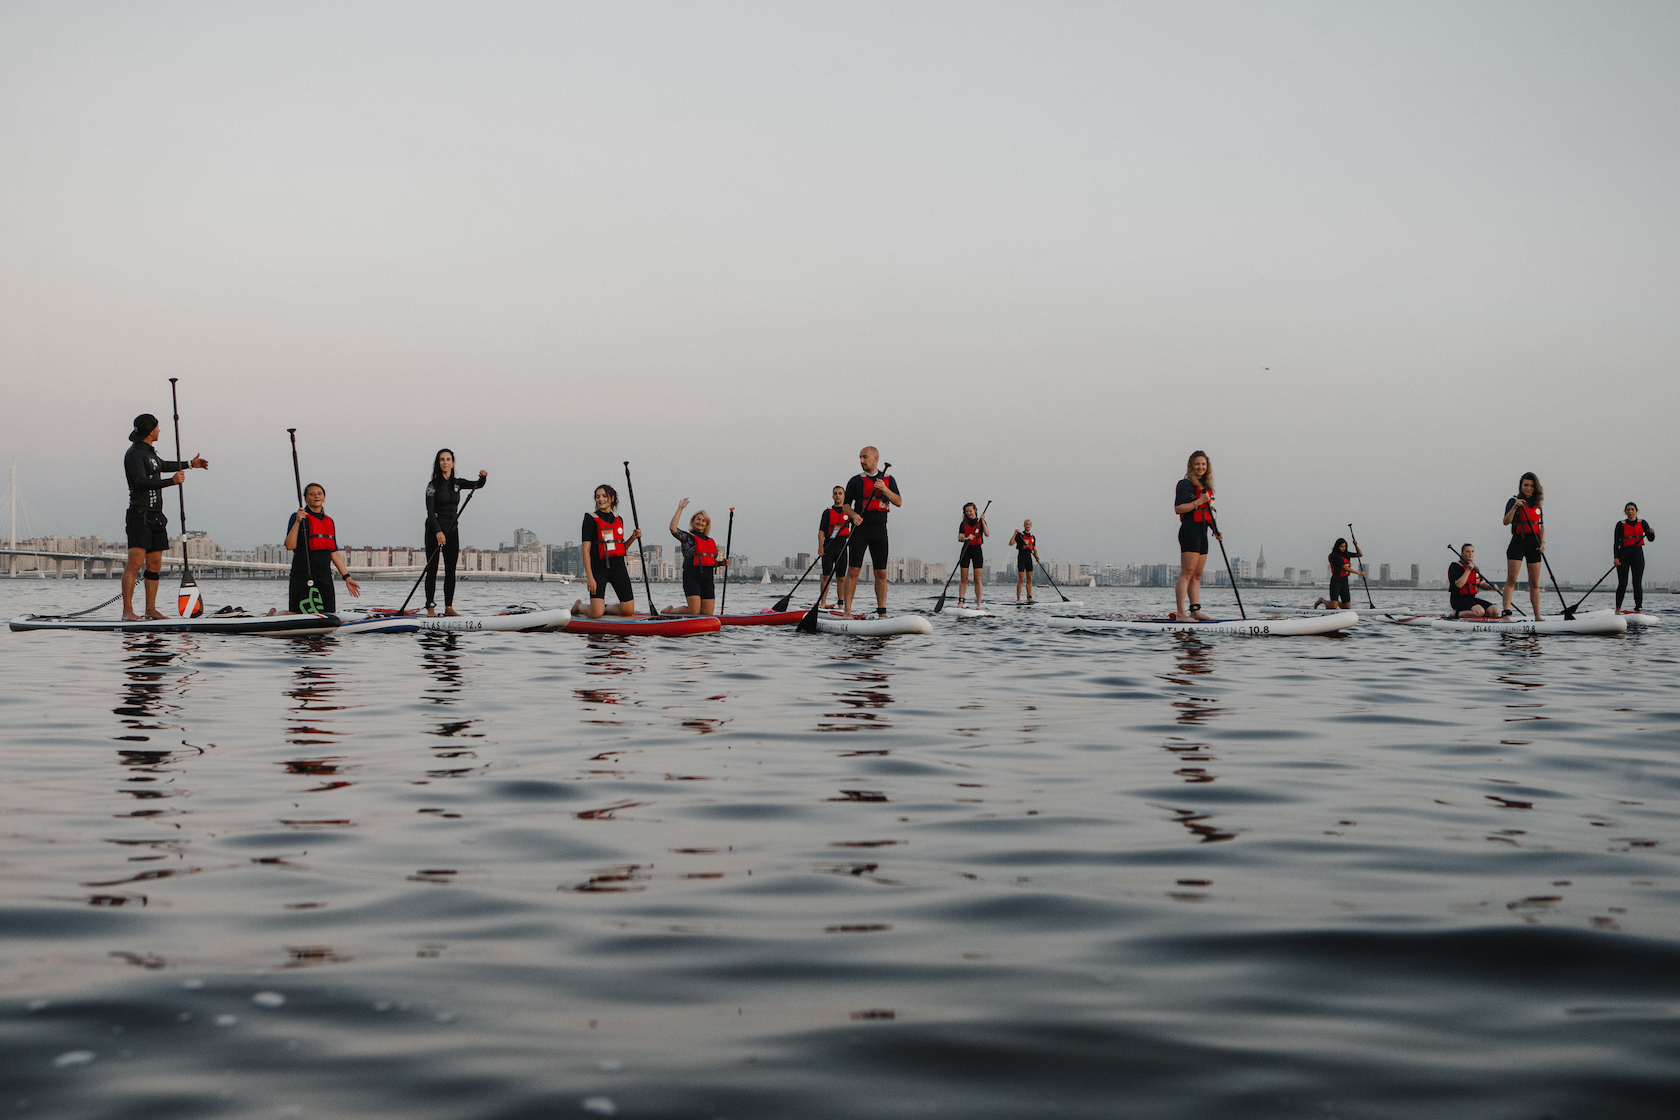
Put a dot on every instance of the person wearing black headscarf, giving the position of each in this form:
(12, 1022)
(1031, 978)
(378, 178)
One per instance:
(145, 522)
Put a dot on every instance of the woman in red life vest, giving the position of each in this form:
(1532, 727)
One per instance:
(1528, 541)
(701, 559)
(604, 547)
(972, 531)
(1463, 581)
(1026, 555)
(834, 530)
(1193, 502)
(1631, 534)
(315, 557)
(1341, 567)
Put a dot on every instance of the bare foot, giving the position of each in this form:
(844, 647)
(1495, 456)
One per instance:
(1200, 617)
(156, 616)
(451, 612)
(577, 606)
(430, 613)
(130, 616)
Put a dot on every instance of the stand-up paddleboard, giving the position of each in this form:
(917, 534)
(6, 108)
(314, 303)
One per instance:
(1606, 623)
(222, 622)
(513, 620)
(1274, 626)
(1634, 618)
(967, 612)
(1041, 604)
(666, 625)
(765, 617)
(834, 623)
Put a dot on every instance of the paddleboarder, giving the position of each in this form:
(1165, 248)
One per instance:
(443, 534)
(1026, 555)
(604, 547)
(700, 560)
(1341, 567)
(1528, 541)
(1463, 581)
(145, 522)
(834, 530)
(870, 495)
(1193, 502)
(972, 531)
(317, 558)
(1631, 534)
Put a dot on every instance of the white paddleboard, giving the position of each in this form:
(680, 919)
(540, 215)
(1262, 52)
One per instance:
(1273, 626)
(874, 627)
(967, 612)
(279, 625)
(1606, 623)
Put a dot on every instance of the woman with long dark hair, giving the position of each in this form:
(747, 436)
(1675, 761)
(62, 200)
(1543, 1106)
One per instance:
(605, 546)
(1341, 567)
(1631, 534)
(1528, 541)
(443, 535)
(1193, 502)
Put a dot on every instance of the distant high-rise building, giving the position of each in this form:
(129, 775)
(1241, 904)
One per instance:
(1416, 575)
(1260, 564)
(802, 561)
(1382, 576)
(1289, 575)
(524, 540)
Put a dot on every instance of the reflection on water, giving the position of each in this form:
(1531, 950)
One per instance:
(504, 874)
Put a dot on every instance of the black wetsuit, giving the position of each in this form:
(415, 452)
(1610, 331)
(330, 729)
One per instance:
(307, 564)
(443, 502)
(871, 535)
(148, 477)
(1632, 557)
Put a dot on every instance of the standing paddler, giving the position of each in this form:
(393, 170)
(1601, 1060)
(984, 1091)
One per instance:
(869, 496)
(1528, 540)
(605, 546)
(443, 533)
(313, 539)
(1193, 502)
(834, 530)
(972, 531)
(146, 523)
(1631, 534)
(1026, 555)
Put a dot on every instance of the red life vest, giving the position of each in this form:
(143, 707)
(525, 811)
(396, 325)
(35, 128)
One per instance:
(838, 524)
(705, 552)
(610, 530)
(1341, 564)
(1472, 584)
(1633, 534)
(1525, 520)
(876, 501)
(970, 532)
(1025, 542)
(1202, 513)
(320, 532)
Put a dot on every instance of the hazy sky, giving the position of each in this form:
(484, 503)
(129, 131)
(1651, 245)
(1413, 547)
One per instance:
(1377, 260)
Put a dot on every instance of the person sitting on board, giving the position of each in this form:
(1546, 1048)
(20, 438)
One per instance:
(443, 534)
(310, 590)
(146, 523)
(834, 530)
(1026, 555)
(1463, 581)
(972, 531)
(1193, 502)
(1528, 540)
(1341, 566)
(700, 560)
(604, 549)
(869, 496)
(1631, 534)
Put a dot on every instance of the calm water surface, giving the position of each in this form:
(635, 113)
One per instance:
(1000, 871)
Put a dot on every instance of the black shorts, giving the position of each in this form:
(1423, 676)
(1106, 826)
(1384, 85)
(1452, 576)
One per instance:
(700, 581)
(872, 539)
(1193, 537)
(1524, 547)
(834, 554)
(973, 556)
(1339, 592)
(1024, 564)
(147, 529)
(1466, 602)
(615, 572)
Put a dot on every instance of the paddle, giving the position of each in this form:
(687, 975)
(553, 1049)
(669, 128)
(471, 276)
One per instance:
(1482, 578)
(187, 601)
(312, 602)
(728, 543)
(1362, 578)
(1051, 579)
(880, 475)
(808, 624)
(1569, 611)
(1213, 523)
(782, 603)
(641, 550)
(429, 553)
(940, 606)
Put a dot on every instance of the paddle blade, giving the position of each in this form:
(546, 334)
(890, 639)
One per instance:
(939, 606)
(808, 624)
(782, 603)
(188, 602)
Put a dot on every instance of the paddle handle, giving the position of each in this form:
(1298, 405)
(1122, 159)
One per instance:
(297, 477)
(180, 491)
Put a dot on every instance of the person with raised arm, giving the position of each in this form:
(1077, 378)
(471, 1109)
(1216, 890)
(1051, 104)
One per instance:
(1193, 502)
(443, 534)
(700, 560)
(605, 546)
(146, 523)
(870, 495)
